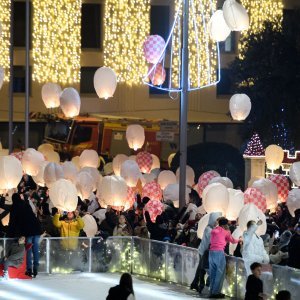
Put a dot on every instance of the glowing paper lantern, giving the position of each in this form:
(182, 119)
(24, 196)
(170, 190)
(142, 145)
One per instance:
(100, 215)
(295, 173)
(155, 208)
(113, 191)
(39, 178)
(253, 179)
(215, 198)
(269, 189)
(223, 180)
(90, 226)
(250, 212)
(190, 176)
(117, 162)
(52, 173)
(135, 136)
(237, 233)
(70, 171)
(63, 195)
(217, 27)
(11, 172)
(5, 220)
(132, 157)
(157, 74)
(84, 185)
(155, 163)
(283, 186)
(1, 76)
(170, 158)
(146, 178)
(130, 171)
(76, 161)
(3, 152)
(171, 192)
(255, 196)
(293, 201)
(240, 107)
(105, 82)
(235, 205)
(52, 156)
(274, 157)
(131, 194)
(153, 48)
(31, 161)
(165, 178)
(96, 176)
(204, 180)
(203, 222)
(145, 161)
(50, 94)
(152, 190)
(89, 158)
(44, 148)
(70, 102)
(235, 15)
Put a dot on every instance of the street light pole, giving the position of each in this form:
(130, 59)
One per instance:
(184, 102)
(27, 76)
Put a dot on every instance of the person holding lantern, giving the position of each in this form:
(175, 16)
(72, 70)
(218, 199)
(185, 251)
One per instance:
(123, 228)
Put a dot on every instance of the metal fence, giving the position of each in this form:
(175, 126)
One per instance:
(153, 259)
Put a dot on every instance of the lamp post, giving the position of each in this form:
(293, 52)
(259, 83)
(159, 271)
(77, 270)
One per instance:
(27, 76)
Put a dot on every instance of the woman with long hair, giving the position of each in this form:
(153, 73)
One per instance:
(122, 291)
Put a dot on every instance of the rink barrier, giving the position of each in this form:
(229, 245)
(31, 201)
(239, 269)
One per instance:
(153, 259)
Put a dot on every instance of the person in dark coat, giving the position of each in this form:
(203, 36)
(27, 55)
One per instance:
(293, 249)
(122, 291)
(254, 285)
(23, 222)
(158, 230)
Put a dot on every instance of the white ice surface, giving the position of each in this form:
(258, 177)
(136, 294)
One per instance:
(86, 286)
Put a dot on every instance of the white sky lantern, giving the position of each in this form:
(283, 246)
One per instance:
(11, 172)
(217, 27)
(1, 76)
(165, 178)
(105, 82)
(293, 201)
(31, 161)
(274, 157)
(269, 189)
(148, 178)
(90, 226)
(70, 102)
(89, 158)
(236, 203)
(250, 212)
(131, 173)
(3, 152)
(96, 176)
(240, 107)
(84, 185)
(203, 222)
(135, 136)
(52, 156)
(70, 171)
(52, 173)
(50, 94)
(44, 148)
(170, 158)
(155, 163)
(63, 195)
(215, 198)
(5, 220)
(235, 15)
(114, 191)
(190, 176)
(132, 157)
(39, 178)
(171, 192)
(117, 162)
(75, 160)
(295, 173)
(223, 180)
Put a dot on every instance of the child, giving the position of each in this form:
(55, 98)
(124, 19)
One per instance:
(283, 295)
(254, 285)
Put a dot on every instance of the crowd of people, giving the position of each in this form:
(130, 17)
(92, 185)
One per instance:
(31, 216)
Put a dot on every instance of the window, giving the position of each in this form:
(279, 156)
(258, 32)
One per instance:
(58, 131)
(20, 23)
(82, 134)
(19, 79)
(87, 80)
(224, 86)
(91, 32)
(160, 20)
(228, 46)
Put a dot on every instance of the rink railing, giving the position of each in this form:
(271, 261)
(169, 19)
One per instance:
(157, 260)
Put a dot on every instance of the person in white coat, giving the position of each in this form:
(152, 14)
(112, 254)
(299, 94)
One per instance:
(253, 249)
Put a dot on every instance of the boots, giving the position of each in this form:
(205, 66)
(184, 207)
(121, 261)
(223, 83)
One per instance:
(35, 272)
(28, 272)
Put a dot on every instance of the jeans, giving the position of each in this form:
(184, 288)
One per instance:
(217, 266)
(33, 251)
(7, 263)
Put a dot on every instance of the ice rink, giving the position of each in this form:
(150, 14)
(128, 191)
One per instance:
(87, 286)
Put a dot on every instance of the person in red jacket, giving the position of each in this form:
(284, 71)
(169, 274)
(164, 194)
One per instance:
(220, 236)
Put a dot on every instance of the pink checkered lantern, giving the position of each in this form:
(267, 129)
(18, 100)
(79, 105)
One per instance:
(155, 208)
(153, 48)
(255, 196)
(283, 186)
(145, 160)
(152, 190)
(204, 180)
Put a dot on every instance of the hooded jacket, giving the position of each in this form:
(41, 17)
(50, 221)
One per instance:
(204, 245)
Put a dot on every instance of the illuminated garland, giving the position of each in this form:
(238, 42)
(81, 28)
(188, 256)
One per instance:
(56, 41)
(202, 51)
(5, 37)
(259, 12)
(127, 24)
